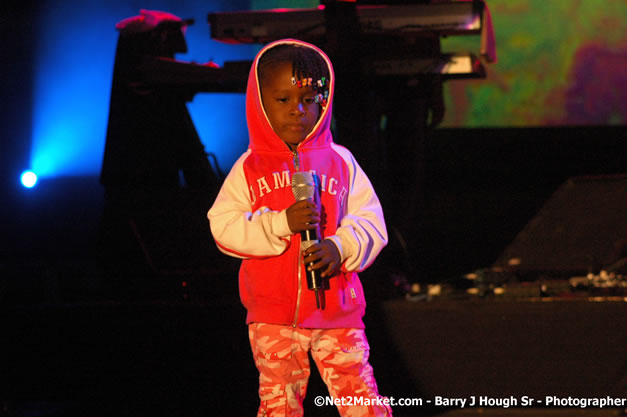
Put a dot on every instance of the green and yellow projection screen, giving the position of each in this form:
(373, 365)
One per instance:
(560, 62)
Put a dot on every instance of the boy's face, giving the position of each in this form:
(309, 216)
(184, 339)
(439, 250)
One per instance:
(291, 110)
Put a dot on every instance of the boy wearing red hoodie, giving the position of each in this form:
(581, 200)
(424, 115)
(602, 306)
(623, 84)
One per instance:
(256, 218)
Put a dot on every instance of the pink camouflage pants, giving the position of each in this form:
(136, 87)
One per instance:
(341, 355)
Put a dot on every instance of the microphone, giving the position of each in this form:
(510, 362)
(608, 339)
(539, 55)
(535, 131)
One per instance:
(304, 188)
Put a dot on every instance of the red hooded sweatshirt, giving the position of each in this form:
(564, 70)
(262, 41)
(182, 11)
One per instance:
(248, 219)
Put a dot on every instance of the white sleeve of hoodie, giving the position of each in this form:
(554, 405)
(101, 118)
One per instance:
(362, 233)
(240, 232)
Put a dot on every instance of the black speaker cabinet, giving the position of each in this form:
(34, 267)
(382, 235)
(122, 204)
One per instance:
(582, 226)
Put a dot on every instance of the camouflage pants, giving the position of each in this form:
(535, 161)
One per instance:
(341, 355)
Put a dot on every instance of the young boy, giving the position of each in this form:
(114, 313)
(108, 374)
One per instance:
(255, 218)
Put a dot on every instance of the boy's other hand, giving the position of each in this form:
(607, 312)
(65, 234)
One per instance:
(326, 254)
(302, 215)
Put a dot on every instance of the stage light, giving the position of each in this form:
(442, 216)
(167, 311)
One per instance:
(28, 179)
(71, 105)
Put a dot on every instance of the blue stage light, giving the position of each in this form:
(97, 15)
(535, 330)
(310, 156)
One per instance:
(72, 84)
(28, 179)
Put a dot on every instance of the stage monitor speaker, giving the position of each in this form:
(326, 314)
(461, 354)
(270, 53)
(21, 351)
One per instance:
(582, 226)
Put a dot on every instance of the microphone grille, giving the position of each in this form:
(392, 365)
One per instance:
(303, 185)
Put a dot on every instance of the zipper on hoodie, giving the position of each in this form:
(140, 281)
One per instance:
(298, 294)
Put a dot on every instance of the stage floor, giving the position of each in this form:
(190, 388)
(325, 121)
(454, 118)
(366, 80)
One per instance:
(175, 359)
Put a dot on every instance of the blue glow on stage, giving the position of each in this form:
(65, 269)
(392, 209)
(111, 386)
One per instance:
(73, 69)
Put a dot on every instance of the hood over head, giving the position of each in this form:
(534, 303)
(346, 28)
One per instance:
(261, 135)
